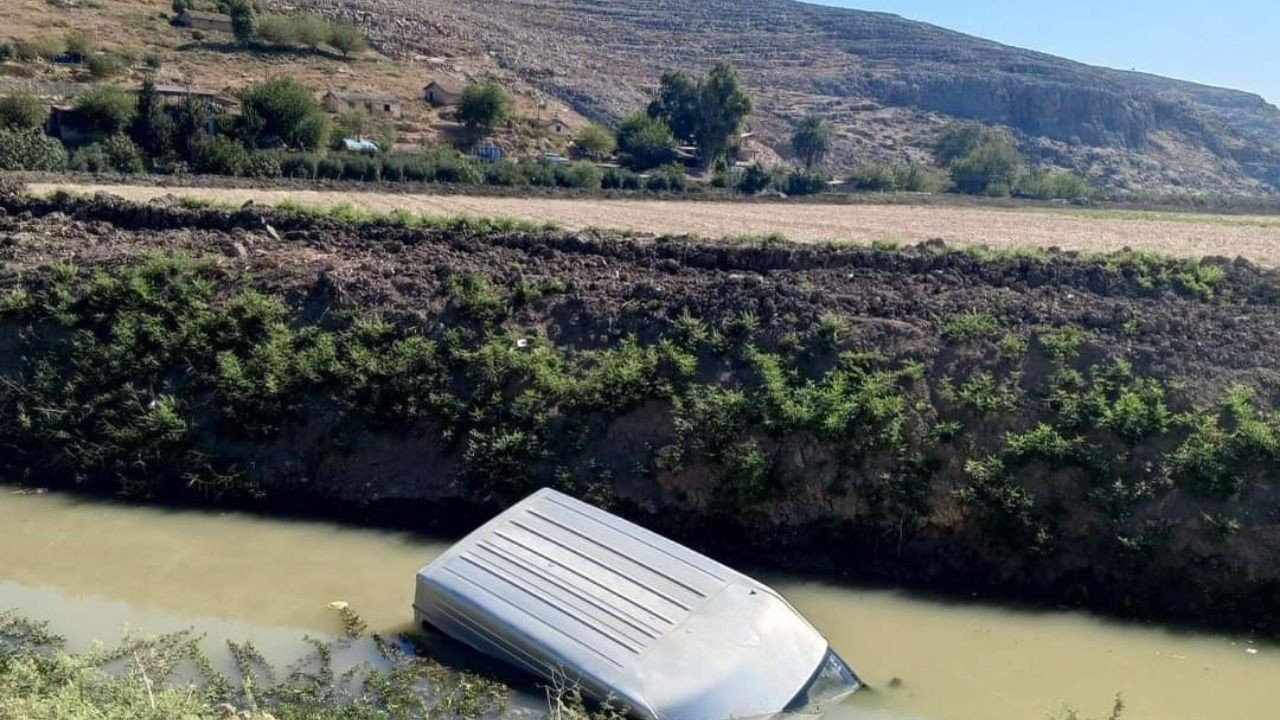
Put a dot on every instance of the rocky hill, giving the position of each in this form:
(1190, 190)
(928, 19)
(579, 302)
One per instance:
(887, 82)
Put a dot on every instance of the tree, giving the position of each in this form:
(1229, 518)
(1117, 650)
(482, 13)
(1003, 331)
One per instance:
(107, 108)
(646, 141)
(244, 20)
(30, 149)
(725, 105)
(347, 39)
(152, 127)
(679, 102)
(284, 112)
(279, 29)
(23, 111)
(707, 112)
(483, 105)
(811, 140)
(596, 141)
(104, 65)
(310, 30)
(982, 160)
(992, 168)
(755, 180)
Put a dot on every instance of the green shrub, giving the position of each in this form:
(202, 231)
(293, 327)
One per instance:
(154, 60)
(1043, 441)
(283, 112)
(105, 65)
(115, 153)
(747, 474)
(483, 105)
(44, 47)
(262, 165)
(755, 179)
(596, 141)
(806, 183)
(218, 155)
(347, 38)
(645, 142)
(886, 177)
(6, 52)
(31, 150)
(280, 29)
(122, 154)
(621, 179)
(79, 43)
(107, 108)
(23, 111)
(1054, 185)
(969, 325)
(668, 177)
(582, 175)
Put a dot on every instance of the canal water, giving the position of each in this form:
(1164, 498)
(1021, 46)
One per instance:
(97, 570)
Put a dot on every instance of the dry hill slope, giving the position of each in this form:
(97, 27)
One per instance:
(888, 82)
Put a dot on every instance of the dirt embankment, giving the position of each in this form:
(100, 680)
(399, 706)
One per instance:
(1067, 431)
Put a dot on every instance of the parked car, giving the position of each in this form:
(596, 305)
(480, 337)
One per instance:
(565, 590)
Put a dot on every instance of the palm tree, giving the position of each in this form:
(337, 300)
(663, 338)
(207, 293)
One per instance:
(811, 140)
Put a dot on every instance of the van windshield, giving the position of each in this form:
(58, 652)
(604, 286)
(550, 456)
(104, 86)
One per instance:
(832, 682)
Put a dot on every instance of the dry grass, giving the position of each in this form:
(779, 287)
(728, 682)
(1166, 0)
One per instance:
(1254, 237)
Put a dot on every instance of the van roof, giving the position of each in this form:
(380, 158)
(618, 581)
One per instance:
(558, 586)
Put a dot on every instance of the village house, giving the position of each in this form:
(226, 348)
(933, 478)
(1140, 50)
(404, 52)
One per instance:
(173, 94)
(555, 126)
(443, 92)
(199, 20)
(375, 105)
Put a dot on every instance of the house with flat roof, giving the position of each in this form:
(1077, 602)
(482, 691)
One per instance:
(384, 106)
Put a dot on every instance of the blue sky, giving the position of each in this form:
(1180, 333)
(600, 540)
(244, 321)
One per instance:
(1232, 43)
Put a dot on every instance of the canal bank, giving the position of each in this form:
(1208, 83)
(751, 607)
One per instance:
(91, 568)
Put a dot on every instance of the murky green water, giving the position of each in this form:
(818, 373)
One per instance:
(96, 569)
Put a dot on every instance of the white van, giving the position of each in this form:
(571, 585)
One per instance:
(564, 589)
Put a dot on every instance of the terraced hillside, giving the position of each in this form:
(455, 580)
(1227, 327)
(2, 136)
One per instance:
(888, 82)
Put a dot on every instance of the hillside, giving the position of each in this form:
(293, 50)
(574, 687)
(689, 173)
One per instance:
(887, 82)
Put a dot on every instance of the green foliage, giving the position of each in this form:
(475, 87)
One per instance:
(646, 142)
(41, 47)
(755, 179)
(359, 123)
(283, 112)
(982, 393)
(707, 112)
(1054, 185)
(347, 39)
(106, 65)
(886, 177)
(806, 183)
(969, 325)
(244, 20)
(217, 155)
(982, 160)
(107, 108)
(1012, 347)
(999, 500)
(79, 43)
(1152, 271)
(1062, 343)
(811, 140)
(115, 153)
(30, 149)
(483, 105)
(668, 177)
(1043, 441)
(596, 141)
(169, 676)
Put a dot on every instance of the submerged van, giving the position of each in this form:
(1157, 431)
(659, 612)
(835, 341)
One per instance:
(565, 590)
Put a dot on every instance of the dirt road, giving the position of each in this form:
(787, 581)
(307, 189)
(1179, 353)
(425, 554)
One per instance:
(1253, 237)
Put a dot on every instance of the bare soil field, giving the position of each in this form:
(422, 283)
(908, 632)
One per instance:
(1256, 238)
